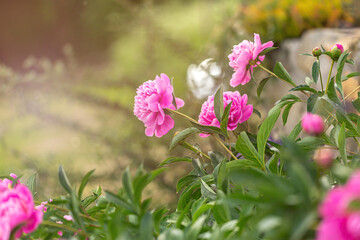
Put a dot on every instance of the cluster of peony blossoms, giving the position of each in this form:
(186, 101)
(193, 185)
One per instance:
(155, 96)
(17, 210)
(341, 213)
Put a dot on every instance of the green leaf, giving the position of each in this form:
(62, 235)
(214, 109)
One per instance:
(216, 157)
(117, 200)
(225, 119)
(265, 130)
(281, 72)
(303, 88)
(64, 181)
(332, 93)
(127, 183)
(290, 97)
(219, 103)
(262, 85)
(342, 143)
(247, 149)
(272, 163)
(311, 102)
(221, 174)
(266, 50)
(184, 211)
(146, 227)
(206, 191)
(180, 136)
(175, 159)
(185, 181)
(295, 132)
(315, 71)
(356, 104)
(208, 129)
(195, 229)
(343, 118)
(307, 54)
(242, 163)
(340, 67)
(286, 112)
(84, 181)
(31, 182)
(201, 210)
(257, 112)
(198, 167)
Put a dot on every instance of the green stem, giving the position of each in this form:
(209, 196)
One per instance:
(62, 226)
(182, 115)
(223, 145)
(321, 81)
(328, 80)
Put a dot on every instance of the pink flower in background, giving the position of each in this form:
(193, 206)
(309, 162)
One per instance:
(312, 124)
(152, 98)
(324, 157)
(340, 220)
(244, 58)
(239, 111)
(17, 205)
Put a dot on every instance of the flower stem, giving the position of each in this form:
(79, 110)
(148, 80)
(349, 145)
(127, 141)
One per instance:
(357, 88)
(182, 115)
(223, 145)
(62, 226)
(321, 81)
(328, 80)
(273, 74)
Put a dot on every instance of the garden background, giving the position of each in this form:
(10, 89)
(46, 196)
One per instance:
(69, 72)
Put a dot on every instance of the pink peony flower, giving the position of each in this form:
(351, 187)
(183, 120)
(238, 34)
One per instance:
(340, 220)
(312, 124)
(5, 230)
(151, 100)
(239, 111)
(244, 58)
(338, 46)
(17, 205)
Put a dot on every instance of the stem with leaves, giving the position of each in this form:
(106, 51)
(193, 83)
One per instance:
(328, 80)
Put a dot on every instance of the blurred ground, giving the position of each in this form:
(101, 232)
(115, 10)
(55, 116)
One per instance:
(69, 72)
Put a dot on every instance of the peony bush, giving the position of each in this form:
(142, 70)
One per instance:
(305, 185)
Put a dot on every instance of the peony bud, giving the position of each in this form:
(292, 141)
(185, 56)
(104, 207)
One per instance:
(324, 157)
(312, 124)
(336, 51)
(316, 52)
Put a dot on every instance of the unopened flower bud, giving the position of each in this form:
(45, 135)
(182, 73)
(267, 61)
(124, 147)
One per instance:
(312, 124)
(324, 157)
(316, 51)
(336, 51)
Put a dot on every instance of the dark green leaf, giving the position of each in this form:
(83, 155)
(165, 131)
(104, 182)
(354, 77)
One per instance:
(303, 88)
(286, 112)
(84, 181)
(117, 200)
(295, 132)
(342, 143)
(266, 50)
(180, 136)
(31, 182)
(261, 86)
(356, 104)
(185, 181)
(195, 229)
(307, 54)
(206, 191)
(281, 72)
(198, 167)
(208, 129)
(247, 149)
(127, 183)
(175, 159)
(257, 112)
(146, 227)
(216, 157)
(219, 103)
(64, 181)
(311, 102)
(316, 71)
(225, 119)
(265, 130)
